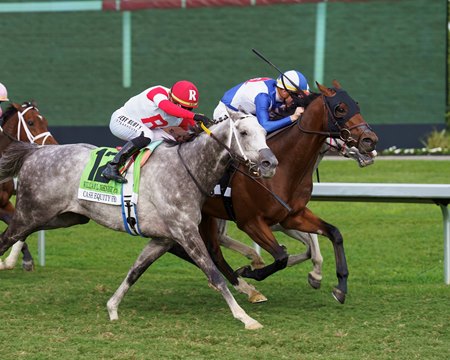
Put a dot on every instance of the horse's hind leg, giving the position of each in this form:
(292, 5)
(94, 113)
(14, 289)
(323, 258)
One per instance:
(27, 259)
(6, 214)
(13, 234)
(313, 253)
(11, 260)
(152, 251)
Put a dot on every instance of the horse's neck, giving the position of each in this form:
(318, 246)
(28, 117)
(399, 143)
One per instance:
(209, 159)
(4, 142)
(10, 127)
(298, 152)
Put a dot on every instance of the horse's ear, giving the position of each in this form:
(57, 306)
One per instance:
(16, 106)
(336, 84)
(33, 103)
(324, 90)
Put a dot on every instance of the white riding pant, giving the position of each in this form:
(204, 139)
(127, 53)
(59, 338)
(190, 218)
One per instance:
(127, 129)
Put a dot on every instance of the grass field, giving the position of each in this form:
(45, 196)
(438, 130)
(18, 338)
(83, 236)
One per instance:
(396, 308)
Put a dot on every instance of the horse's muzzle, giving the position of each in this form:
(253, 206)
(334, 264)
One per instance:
(367, 142)
(267, 163)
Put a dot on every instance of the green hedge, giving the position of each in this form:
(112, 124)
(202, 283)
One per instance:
(390, 55)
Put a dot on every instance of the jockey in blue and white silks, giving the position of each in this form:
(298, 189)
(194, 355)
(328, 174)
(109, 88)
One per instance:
(264, 97)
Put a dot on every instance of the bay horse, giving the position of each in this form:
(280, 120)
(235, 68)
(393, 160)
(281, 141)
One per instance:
(258, 205)
(309, 240)
(22, 122)
(173, 186)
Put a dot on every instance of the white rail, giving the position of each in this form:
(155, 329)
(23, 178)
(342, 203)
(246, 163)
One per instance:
(438, 194)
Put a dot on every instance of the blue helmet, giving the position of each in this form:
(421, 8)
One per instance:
(293, 80)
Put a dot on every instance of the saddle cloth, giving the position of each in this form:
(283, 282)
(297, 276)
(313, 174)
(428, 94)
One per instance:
(94, 187)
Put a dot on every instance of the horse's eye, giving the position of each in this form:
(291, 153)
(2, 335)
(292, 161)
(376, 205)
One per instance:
(30, 122)
(244, 133)
(340, 111)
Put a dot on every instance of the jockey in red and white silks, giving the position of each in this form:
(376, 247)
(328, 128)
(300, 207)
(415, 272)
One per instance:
(151, 111)
(141, 119)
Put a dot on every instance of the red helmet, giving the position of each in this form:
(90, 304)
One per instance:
(185, 93)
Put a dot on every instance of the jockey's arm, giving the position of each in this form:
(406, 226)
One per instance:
(160, 98)
(262, 104)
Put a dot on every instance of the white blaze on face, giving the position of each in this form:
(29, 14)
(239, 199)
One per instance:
(192, 95)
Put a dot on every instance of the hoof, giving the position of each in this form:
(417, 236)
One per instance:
(315, 284)
(338, 295)
(253, 326)
(28, 265)
(113, 315)
(257, 298)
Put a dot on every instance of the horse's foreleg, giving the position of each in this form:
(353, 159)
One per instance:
(308, 222)
(254, 296)
(152, 251)
(257, 261)
(210, 228)
(196, 249)
(263, 236)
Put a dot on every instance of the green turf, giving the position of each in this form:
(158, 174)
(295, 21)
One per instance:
(397, 305)
(390, 55)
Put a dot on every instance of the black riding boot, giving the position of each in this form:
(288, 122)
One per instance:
(111, 171)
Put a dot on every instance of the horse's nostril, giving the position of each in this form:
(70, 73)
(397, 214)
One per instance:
(368, 144)
(265, 164)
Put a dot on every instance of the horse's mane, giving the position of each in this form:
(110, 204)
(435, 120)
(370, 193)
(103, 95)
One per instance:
(182, 136)
(11, 110)
(307, 100)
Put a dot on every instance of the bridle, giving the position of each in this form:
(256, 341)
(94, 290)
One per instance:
(235, 158)
(21, 123)
(336, 121)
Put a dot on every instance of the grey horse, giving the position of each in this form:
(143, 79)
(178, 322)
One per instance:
(174, 185)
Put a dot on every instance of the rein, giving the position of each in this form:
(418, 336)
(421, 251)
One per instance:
(276, 197)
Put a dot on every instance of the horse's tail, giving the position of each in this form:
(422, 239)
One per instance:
(13, 157)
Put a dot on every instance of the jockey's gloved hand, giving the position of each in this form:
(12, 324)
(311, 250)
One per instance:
(204, 119)
(196, 129)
